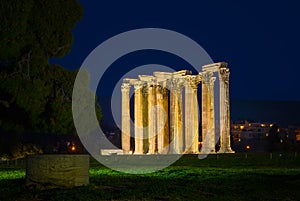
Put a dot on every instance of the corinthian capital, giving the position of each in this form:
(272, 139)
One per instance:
(125, 87)
(192, 81)
(224, 74)
(212, 81)
(138, 85)
(176, 84)
(206, 77)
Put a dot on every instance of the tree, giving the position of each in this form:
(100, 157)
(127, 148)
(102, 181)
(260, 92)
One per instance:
(35, 97)
(33, 31)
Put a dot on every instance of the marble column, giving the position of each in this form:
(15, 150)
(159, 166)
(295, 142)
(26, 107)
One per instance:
(208, 113)
(191, 114)
(138, 117)
(212, 133)
(162, 120)
(125, 138)
(176, 116)
(204, 112)
(224, 111)
(152, 117)
(145, 118)
(195, 142)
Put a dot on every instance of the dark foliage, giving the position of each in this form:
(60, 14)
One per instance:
(35, 97)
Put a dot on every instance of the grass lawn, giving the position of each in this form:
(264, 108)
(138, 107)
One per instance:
(230, 177)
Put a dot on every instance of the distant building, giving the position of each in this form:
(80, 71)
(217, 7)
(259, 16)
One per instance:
(244, 130)
(294, 133)
(263, 136)
(250, 135)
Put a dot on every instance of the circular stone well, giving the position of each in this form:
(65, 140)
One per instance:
(57, 170)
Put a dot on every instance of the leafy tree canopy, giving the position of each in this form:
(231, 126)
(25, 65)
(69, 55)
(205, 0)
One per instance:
(34, 95)
(32, 31)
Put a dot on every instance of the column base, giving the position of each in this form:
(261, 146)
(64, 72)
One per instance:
(190, 152)
(226, 150)
(207, 151)
(164, 151)
(150, 153)
(126, 152)
(175, 152)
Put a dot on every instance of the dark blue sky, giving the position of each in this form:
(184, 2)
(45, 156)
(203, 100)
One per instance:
(259, 39)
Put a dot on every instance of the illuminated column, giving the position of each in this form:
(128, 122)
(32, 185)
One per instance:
(191, 114)
(204, 113)
(176, 116)
(162, 119)
(166, 124)
(208, 113)
(138, 117)
(125, 88)
(195, 142)
(152, 117)
(224, 111)
(212, 133)
(162, 99)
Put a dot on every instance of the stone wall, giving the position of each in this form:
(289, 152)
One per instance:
(54, 171)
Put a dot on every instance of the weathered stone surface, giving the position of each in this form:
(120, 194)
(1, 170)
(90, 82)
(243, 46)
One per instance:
(138, 118)
(176, 131)
(162, 120)
(208, 117)
(152, 118)
(163, 125)
(223, 73)
(191, 114)
(54, 171)
(125, 118)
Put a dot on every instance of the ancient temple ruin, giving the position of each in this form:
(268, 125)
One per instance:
(161, 126)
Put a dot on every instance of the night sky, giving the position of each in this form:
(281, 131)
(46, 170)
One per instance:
(259, 40)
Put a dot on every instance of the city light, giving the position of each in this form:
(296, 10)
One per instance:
(73, 148)
(248, 147)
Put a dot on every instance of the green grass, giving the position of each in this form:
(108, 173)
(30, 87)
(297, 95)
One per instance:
(231, 177)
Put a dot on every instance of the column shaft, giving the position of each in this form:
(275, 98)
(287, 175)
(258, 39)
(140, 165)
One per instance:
(138, 118)
(166, 134)
(188, 118)
(172, 120)
(125, 138)
(224, 111)
(195, 109)
(152, 119)
(191, 115)
(162, 120)
(211, 144)
(205, 120)
(176, 117)
(208, 117)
